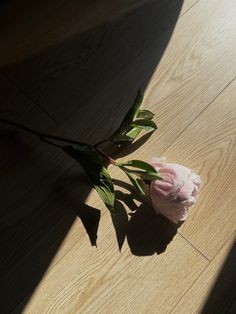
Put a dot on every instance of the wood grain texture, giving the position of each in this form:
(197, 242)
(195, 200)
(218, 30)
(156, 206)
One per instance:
(31, 229)
(187, 5)
(37, 233)
(182, 84)
(208, 145)
(83, 67)
(214, 290)
(105, 280)
(190, 75)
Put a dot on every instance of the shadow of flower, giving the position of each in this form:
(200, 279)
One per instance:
(147, 233)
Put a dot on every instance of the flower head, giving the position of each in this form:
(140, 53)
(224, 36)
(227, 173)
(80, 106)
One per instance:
(176, 192)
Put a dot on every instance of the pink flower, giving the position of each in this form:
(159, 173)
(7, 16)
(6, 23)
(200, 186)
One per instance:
(176, 192)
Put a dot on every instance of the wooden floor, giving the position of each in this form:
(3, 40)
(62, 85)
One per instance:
(72, 68)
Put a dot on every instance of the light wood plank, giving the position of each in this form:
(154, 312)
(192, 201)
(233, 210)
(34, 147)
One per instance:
(208, 146)
(183, 84)
(214, 291)
(187, 5)
(37, 234)
(103, 279)
(188, 77)
(79, 276)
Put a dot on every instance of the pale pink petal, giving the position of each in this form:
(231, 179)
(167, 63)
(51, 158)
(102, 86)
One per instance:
(163, 185)
(181, 214)
(186, 190)
(176, 192)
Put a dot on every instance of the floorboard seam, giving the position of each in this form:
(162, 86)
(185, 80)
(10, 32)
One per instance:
(21, 90)
(190, 8)
(203, 255)
(90, 98)
(50, 269)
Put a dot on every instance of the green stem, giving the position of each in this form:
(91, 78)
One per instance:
(111, 160)
(49, 142)
(40, 134)
(44, 137)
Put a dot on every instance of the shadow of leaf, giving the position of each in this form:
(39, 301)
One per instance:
(90, 218)
(120, 222)
(69, 188)
(127, 149)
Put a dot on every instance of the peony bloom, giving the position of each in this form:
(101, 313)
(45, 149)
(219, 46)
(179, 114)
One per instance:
(178, 190)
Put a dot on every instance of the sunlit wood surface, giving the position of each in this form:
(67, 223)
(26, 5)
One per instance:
(72, 69)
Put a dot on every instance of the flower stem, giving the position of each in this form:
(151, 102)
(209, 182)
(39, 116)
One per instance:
(110, 159)
(41, 135)
(45, 138)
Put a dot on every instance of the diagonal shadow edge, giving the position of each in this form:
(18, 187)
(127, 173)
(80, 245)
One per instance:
(129, 81)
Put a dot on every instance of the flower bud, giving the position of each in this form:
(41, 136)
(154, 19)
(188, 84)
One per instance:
(176, 192)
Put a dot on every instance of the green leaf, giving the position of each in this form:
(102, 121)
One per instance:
(145, 175)
(128, 137)
(131, 114)
(143, 169)
(106, 195)
(136, 106)
(122, 139)
(133, 133)
(92, 163)
(134, 122)
(145, 124)
(138, 164)
(135, 183)
(145, 114)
